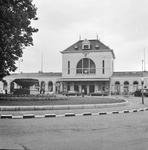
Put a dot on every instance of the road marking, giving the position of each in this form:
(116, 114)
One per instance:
(27, 116)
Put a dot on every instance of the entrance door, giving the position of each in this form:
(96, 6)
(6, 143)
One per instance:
(85, 88)
(91, 88)
(76, 88)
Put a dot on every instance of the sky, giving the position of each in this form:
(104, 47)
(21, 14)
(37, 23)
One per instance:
(120, 24)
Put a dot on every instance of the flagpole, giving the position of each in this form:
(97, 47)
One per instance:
(42, 62)
(144, 60)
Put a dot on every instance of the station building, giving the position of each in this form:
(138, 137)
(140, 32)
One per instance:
(88, 65)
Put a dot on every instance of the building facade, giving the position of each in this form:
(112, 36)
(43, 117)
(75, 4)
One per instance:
(86, 65)
(47, 81)
(128, 82)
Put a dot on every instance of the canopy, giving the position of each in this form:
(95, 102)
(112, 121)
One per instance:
(26, 82)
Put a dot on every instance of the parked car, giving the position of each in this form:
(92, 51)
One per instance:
(99, 93)
(72, 93)
(138, 92)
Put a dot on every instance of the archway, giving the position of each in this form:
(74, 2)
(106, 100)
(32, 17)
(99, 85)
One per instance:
(126, 87)
(5, 85)
(58, 87)
(135, 86)
(117, 87)
(11, 87)
(50, 86)
(42, 90)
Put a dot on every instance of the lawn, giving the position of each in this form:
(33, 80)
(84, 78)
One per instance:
(67, 101)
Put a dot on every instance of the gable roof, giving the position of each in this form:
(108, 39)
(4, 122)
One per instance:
(93, 44)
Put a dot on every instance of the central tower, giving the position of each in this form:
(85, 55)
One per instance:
(87, 64)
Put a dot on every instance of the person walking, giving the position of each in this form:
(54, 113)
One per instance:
(83, 91)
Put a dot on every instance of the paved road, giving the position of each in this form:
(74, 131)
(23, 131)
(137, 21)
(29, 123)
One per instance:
(110, 132)
(106, 132)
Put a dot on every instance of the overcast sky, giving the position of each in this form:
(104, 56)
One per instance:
(120, 24)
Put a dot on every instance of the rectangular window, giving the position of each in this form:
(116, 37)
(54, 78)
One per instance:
(68, 87)
(79, 71)
(68, 67)
(103, 66)
(86, 46)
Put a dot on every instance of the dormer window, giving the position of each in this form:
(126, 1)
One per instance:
(85, 45)
(76, 47)
(97, 46)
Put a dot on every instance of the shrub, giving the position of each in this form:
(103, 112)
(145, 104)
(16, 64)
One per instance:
(38, 97)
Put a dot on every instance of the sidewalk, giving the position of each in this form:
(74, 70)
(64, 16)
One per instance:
(134, 104)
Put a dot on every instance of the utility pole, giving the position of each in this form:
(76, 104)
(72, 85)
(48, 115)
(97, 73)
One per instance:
(144, 61)
(142, 82)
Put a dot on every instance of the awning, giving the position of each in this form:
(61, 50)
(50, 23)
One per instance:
(84, 79)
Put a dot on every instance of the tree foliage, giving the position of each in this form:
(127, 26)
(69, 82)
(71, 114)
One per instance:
(15, 32)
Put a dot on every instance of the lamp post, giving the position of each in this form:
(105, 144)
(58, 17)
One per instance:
(142, 82)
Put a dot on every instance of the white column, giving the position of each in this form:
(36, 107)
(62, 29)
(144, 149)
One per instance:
(54, 87)
(46, 86)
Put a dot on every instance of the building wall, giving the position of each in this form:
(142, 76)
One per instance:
(98, 85)
(97, 58)
(131, 87)
(55, 88)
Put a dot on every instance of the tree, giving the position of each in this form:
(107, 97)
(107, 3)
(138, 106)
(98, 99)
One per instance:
(15, 32)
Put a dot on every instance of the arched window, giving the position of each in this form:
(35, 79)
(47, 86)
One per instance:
(126, 87)
(5, 85)
(117, 87)
(117, 82)
(58, 87)
(126, 83)
(135, 85)
(86, 66)
(135, 82)
(43, 85)
(50, 86)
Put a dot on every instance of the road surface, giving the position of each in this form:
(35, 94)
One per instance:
(105, 132)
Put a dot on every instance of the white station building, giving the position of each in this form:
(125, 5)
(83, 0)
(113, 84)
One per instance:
(88, 65)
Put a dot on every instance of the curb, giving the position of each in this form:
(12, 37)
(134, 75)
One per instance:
(59, 107)
(29, 116)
